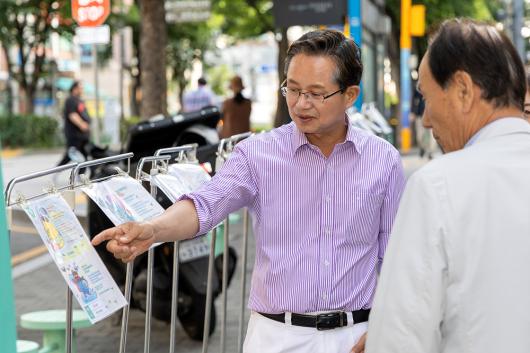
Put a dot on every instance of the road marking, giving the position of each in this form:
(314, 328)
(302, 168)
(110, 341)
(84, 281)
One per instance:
(28, 255)
(31, 265)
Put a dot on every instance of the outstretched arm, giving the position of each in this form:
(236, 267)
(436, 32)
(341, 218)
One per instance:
(126, 241)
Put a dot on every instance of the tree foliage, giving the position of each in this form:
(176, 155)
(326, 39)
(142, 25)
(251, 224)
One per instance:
(186, 43)
(27, 25)
(243, 18)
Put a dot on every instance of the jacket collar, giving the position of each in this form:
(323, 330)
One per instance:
(499, 127)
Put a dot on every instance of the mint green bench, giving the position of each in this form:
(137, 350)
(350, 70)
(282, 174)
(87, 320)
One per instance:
(27, 346)
(53, 325)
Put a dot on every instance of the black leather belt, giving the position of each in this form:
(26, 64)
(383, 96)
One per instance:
(321, 322)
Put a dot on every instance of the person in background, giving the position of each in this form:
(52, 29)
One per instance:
(76, 122)
(236, 111)
(199, 98)
(456, 274)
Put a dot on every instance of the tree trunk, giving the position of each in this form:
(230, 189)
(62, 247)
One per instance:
(153, 40)
(282, 113)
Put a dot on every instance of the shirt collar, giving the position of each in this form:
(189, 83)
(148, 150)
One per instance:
(353, 136)
(498, 127)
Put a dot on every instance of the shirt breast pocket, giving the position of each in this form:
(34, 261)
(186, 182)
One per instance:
(364, 214)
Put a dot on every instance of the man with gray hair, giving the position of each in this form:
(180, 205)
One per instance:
(456, 276)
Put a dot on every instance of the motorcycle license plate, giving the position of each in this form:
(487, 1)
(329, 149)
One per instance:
(194, 248)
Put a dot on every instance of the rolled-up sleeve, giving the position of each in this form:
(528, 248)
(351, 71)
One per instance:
(394, 189)
(232, 188)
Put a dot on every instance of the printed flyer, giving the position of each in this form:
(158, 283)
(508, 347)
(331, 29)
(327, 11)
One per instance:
(192, 176)
(181, 179)
(123, 199)
(77, 260)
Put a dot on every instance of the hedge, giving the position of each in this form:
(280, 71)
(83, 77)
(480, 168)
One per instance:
(29, 131)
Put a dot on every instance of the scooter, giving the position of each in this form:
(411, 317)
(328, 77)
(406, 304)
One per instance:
(144, 140)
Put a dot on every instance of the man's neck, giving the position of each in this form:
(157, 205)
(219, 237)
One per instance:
(327, 142)
(491, 115)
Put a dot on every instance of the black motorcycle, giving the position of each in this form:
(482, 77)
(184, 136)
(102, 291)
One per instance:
(144, 139)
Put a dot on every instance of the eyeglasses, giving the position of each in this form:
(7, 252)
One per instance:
(294, 94)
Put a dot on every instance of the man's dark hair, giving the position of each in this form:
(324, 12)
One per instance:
(344, 52)
(202, 81)
(485, 53)
(74, 85)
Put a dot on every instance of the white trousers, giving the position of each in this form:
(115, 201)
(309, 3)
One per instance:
(268, 336)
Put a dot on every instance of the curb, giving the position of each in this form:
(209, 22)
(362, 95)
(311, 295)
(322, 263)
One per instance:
(11, 153)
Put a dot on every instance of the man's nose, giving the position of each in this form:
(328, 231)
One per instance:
(303, 100)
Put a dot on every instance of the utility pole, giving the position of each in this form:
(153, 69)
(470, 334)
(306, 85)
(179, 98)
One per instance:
(122, 64)
(405, 84)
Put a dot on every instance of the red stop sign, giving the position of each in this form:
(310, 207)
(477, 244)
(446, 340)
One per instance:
(90, 13)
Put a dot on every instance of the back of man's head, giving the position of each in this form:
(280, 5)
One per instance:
(485, 53)
(202, 81)
(343, 51)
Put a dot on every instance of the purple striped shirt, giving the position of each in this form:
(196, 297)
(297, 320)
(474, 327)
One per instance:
(321, 224)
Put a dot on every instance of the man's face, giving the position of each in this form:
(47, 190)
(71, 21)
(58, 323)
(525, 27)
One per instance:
(440, 114)
(78, 91)
(314, 75)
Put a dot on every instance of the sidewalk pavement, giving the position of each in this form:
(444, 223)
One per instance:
(43, 288)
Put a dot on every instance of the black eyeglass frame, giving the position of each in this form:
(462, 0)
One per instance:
(284, 89)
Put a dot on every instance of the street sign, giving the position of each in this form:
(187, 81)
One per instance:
(93, 35)
(181, 11)
(308, 12)
(90, 13)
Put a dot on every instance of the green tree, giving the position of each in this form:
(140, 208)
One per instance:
(27, 25)
(153, 40)
(186, 42)
(250, 18)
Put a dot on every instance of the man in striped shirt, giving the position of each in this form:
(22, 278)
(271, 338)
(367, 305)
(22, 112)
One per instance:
(322, 195)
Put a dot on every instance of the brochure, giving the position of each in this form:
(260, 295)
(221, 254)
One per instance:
(77, 260)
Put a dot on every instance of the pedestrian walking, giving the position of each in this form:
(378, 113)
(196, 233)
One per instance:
(236, 111)
(322, 195)
(455, 278)
(199, 98)
(76, 122)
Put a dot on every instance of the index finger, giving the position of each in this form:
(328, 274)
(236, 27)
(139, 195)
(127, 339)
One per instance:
(107, 234)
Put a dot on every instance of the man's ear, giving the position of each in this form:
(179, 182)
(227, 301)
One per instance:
(351, 94)
(465, 90)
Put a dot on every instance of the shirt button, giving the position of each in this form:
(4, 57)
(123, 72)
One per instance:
(326, 262)
(328, 199)
(324, 296)
(328, 231)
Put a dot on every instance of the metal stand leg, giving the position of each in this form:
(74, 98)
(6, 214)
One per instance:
(174, 296)
(225, 283)
(209, 294)
(149, 300)
(243, 282)
(127, 308)
(69, 326)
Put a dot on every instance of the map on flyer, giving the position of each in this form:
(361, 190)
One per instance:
(123, 199)
(77, 260)
(181, 179)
